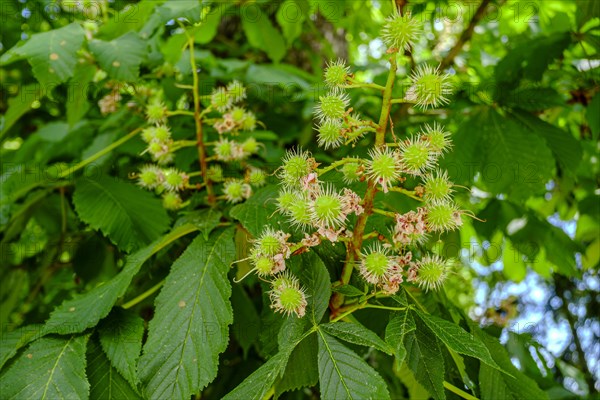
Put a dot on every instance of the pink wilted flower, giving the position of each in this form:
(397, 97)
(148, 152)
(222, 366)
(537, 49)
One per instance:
(410, 227)
(311, 240)
(351, 202)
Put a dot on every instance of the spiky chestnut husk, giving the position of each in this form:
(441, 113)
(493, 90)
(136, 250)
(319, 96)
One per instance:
(432, 271)
(238, 114)
(150, 176)
(327, 209)
(296, 164)
(156, 112)
(215, 173)
(249, 121)
(286, 199)
(287, 296)
(256, 177)
(376, 264)
(332, 106)
(383, 167)
(236, 190)
(174, 180)
(172, 201)
(438, 139)
(437, 187)
(263, 264)
(268, 243)
(352, 172)
(400, 31)
(224, 150)
(442, 217)
(160, 152)
(430, 88)
(330, 134)
(250, 146)
(221, 100)
(300, 213)
(163, 159)
(160, 133)
(336, 73)
(236, 91)
(416, 156)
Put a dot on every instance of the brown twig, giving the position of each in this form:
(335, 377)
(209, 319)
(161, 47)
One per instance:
(560, 287)
(467, 33)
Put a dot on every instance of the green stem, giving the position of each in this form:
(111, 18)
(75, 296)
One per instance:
(353, 247)
(354, 84)
(409, 193)
(332, 166)
(417, 302)
(180, 144)
(143, 296)
(359, 306)
(401, 101)
(385, 307)
(99, 154)
(202, 158)
(180, 112)
(370, 235)
(270, 393)
(459, 392)
(358, 133)
(383, 212)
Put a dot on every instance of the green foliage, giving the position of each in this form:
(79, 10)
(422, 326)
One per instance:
(105, 294)
(342, 374)
(121, 57)
(191, 323)
(262, 34)
(130, 217)
(51, 54)
(357, 334)
(120, 337)
(423, 357)
(49, 368)
(85, 310)
(105, 381)
(457, 339)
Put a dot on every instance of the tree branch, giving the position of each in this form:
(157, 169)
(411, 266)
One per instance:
(560, 288)
(467, 33)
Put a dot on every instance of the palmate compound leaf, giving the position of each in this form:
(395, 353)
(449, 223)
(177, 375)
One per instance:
(256, 386)
(457, 339)
(357, 334)
(496, 385)
(344, 375)
(191, 323)
(300, 370)
(425, 360)
(564, 146)
(85, 310)
(399, 326)
(105, 380)
(260, 208)
(314, 276)
(120, 337)
(262, 34)
(50, 368)
(515, 160)
(129, 216)
(52, 55)
(10, 342)
(121, 57)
